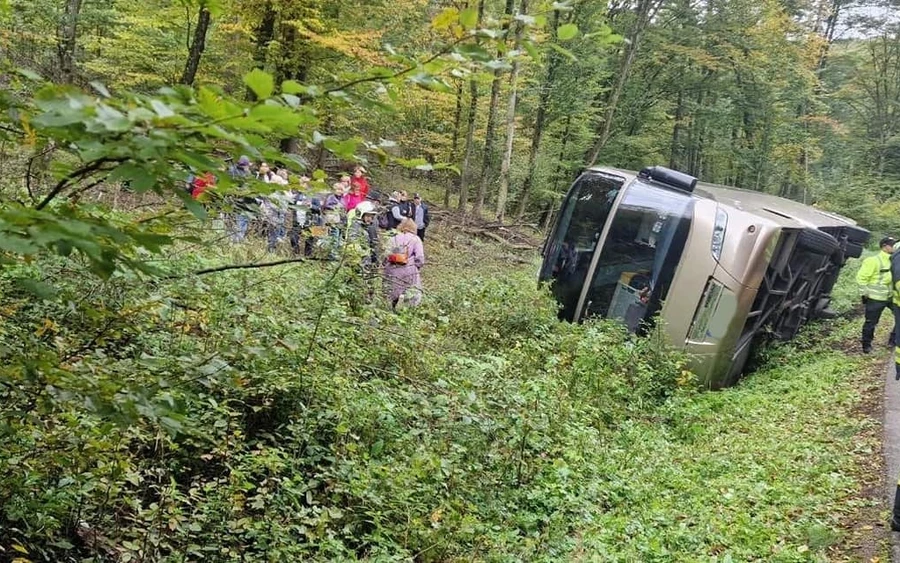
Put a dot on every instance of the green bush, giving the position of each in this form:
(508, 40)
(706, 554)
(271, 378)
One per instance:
(273, 415)
(262, 416)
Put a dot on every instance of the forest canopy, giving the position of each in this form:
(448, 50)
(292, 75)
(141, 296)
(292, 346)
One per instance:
(795, 98)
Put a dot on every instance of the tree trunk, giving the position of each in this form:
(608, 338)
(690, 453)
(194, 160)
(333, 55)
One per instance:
(675, 153)
(67, 40)
(503, 192)
(643, 13)
(454, 144)
(562, 153)
(198, 45)
(539, 119)
(291, 66)
(831, 22)
(470, 131)
(264, 34)
(470, 137)
(547, 218)
(487, 159)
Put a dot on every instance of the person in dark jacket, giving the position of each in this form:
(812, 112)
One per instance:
(895, 277)
(394, 215)
(420, 215)
(406, 205)
(240, 173)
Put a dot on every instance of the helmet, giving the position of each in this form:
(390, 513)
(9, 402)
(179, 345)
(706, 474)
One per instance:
(365, 208)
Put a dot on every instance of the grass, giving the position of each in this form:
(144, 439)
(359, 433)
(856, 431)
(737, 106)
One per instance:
(474, 428)
(763, 471)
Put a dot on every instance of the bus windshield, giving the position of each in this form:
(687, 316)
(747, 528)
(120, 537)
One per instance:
(640, 254)
(569, 251)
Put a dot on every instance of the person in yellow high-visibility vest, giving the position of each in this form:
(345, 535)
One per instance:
(875, 288)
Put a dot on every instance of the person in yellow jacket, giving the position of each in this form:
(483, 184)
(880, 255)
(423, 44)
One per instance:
(875, 288)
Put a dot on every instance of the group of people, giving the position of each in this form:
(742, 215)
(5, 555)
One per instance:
(349, 215)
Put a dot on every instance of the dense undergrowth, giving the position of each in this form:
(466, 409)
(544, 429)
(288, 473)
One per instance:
(275, 415)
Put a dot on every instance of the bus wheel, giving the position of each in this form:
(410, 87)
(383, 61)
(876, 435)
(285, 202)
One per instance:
(817, 242)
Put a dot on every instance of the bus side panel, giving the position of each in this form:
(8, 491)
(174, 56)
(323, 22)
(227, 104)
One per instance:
(696, 267)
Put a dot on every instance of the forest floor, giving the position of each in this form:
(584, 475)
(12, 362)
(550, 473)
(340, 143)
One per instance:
(868, 425)
(562, 442)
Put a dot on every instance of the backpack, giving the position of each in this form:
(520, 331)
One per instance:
(398, 256)
(384, 220)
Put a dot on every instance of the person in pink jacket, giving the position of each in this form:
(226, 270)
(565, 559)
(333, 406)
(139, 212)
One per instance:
(353, 198)
(405, 258)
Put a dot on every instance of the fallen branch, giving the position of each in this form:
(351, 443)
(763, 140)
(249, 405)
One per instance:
(247, 266)
(510, 226)
(498, 238)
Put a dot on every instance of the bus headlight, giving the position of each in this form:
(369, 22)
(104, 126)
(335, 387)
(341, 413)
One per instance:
(718, 237)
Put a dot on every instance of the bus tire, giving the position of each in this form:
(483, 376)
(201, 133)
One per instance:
(817, 242)
(856, 235)
(853, 250)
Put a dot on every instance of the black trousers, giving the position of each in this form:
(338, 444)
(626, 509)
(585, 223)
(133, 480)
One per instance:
(421, 233)
(896, 331)
(873, 315)
(895, 513)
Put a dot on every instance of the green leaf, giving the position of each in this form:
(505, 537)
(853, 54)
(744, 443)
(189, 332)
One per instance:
(564, 52)
(293, 87)
(29, 74)
(260, 83)
(100, 89)
(39, 289)
(445, 19)
(474, 52)
(531, 50)
(344, 149)
(567, 31)
(161, 109)
(193, 206)
(468, 18)
(16, 244)
(139, 179)
(562, 6)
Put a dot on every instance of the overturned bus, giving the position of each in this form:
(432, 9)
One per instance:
(712, 267)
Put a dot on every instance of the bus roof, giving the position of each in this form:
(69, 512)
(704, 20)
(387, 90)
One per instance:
(781, 211)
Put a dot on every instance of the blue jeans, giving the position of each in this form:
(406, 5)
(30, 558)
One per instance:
(239, 227)
(276, 233)
(276, 230)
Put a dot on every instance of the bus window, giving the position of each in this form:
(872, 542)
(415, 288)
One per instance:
(571, 246)
(640, 254)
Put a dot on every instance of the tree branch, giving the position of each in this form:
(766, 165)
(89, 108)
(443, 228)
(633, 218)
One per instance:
(247, 266)
(75, 175)
(13, 130)
(399, 73)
